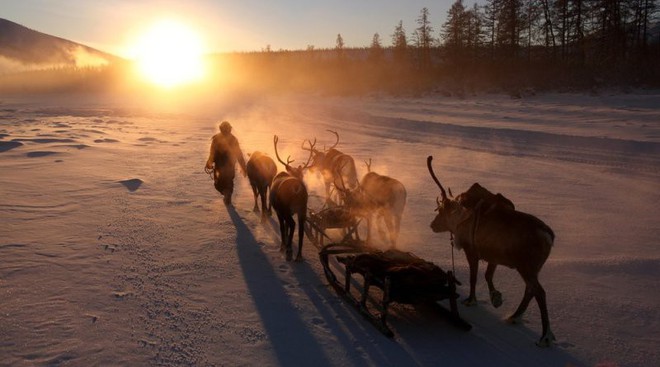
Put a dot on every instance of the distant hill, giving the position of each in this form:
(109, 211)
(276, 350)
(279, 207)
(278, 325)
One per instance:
(22, 48)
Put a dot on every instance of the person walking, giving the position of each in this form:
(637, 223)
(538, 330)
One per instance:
(225, 152)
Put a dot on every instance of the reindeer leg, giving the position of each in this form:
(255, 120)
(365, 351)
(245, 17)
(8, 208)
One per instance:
(289, 241)
(328, 193)
(270, 205)
(473, 262)
(378, 223)
(547, 337)
(301, 235)
(516, 317)
(262, 193)
(495, 295)
(280, 220)
(533, 289)
(389, 224)
(255, 193)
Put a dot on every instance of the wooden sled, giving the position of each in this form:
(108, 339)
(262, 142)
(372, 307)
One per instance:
(401, 277)
(334, 217)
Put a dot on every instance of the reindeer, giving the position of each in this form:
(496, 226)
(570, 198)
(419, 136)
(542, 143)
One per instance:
(335, 167)
(288, 196)
(261, 170)
(499, 234)
(378, 195)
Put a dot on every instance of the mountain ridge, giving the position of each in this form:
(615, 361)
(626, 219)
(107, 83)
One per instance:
(25, 48)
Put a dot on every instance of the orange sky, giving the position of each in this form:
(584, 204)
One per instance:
(226, 25)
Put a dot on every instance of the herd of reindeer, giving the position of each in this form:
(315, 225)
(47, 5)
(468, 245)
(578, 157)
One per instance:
(485, 225)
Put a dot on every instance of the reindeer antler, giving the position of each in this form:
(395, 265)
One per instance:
(337, 141)
(311, 153)
(368, 163)
(288, 160)
(311, 145)
(442, 190)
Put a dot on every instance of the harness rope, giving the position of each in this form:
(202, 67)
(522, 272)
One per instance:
(451, 239)
(473, 232)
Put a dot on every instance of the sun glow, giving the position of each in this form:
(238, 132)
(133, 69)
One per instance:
(169, 54)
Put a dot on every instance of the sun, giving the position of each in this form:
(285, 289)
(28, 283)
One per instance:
(169, 54)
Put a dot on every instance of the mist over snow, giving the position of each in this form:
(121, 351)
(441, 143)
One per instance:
(115, 249)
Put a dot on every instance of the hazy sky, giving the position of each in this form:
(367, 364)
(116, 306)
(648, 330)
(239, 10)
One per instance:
(226, 25)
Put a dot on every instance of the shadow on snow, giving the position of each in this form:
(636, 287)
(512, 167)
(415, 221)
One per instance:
(423, 337)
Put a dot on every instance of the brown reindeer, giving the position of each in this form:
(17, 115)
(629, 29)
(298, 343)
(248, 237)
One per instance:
(480, 199)
(379, 196)
(261, 170)
(336, 168)
(499, 234)
(288, 196)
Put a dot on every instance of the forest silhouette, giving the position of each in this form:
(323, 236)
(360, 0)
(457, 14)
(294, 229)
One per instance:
(511, 46)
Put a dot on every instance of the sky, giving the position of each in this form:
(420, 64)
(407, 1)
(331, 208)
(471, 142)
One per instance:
(226, 25)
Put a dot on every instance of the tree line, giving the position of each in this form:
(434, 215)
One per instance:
(509, 45)
(591, 41)
(503, 46)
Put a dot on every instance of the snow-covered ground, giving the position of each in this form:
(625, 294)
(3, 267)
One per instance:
(115, 248)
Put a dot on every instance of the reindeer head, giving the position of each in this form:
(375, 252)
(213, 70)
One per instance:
(450, 215)
(450, 212)
(319, 156)
(293, 171)
(353, 198)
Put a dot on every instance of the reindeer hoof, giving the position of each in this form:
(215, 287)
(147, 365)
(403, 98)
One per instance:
(470, 301)
(546, 340)
(514, 320)
(289, 255)
(496, 298)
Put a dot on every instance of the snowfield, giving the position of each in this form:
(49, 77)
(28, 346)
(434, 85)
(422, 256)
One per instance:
(115, 249)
